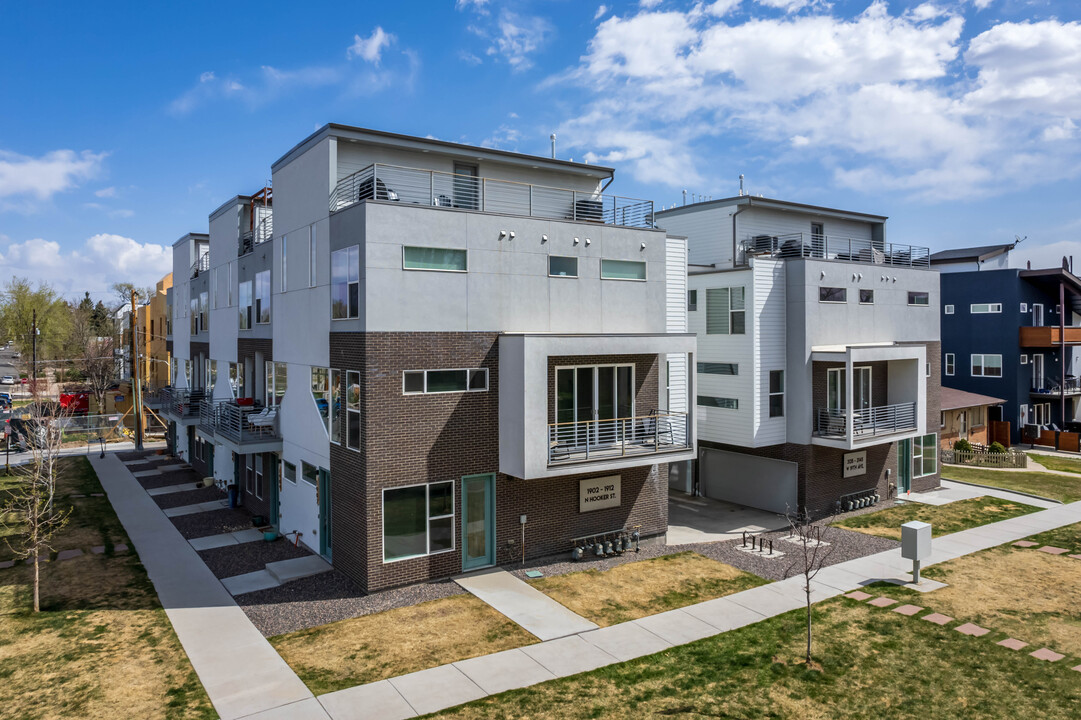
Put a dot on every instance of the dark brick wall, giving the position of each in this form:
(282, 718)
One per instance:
(820, 382)
(194, 350)
(245, 350)
(411, 439)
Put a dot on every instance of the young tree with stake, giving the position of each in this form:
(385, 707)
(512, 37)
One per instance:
(809, 558)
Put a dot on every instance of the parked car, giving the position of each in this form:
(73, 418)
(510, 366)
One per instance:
(7, 380)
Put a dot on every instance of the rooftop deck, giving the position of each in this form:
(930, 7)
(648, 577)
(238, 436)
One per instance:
(828, 247)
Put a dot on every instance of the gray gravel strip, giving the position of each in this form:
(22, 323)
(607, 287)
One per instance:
(212, 522)
(329, 597)
(134, 455)
(248, 557)
(188, 497)
(170, 478)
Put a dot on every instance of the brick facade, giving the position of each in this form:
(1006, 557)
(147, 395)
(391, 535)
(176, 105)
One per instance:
(412, 439)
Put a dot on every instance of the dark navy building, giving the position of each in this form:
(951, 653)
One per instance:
(1005, 334)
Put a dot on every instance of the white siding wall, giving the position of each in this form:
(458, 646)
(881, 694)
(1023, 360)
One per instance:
(708, 232)
(676, 301)
(768, 301)
(763, 221)
(720, 424)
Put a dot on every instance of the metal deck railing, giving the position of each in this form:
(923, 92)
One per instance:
(871, 421)
(415, 186)
(659, 432)
(829, 247)
(263, 232)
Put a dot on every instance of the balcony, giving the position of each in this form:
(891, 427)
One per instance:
(1052, 389)
(829, 247)
(441, 189)
(261, 233)
(244, 429)
(201, 265)
(866, 423)
(660, 432)
(183, 405)
(1049, 336)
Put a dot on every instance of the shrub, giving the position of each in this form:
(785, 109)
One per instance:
(963, 445)
(996, 447)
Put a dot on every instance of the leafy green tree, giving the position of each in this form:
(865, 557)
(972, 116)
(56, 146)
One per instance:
(18, 301)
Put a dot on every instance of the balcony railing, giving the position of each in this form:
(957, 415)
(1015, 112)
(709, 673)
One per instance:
(660, 432)
(262, 232)
(1049, 336)
(440, 189)
(1072, 386)
(184, 403)
(201, 265)
(828, 247)
(881, 420)
(245, 424)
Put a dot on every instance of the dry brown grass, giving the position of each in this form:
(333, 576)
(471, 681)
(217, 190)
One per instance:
(1029, 595)
(945, 519)
(636, 589)
(383, 645)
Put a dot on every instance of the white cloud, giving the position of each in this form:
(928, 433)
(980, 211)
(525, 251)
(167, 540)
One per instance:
(1063, 131)
(518, 37)
(602, 10)
(371, 48)
(1047, 255)
(480, 6)
(720, 8)
(981, 4)
(108, 192)
(102, 260)
(42, 177)
(789, 6)
(469, 58)
(649, 4)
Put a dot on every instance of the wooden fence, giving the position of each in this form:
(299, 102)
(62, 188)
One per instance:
(983, 458)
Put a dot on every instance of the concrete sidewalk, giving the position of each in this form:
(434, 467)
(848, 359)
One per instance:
(445, 686)
(242, 673)
(952, 491)
(539, 614)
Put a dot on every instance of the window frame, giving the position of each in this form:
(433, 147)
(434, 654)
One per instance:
(245, 310)
(353, 377)
(563, 257)
(468, 381)
(692, 300)
(304, 465)
(464, 251)
(915, 295)
(428, 520)
(352, 267)
(824, 289)
(716, 402)
(918, 443)
(991, 309)
(947, 309)
(872, 296)
(983, 364)
(313, 257)
(257, 301)
(642, 263)
(950, 361)
(729, 311)
(704, 368)
(775, 393)
(284, 279)
(290, 476)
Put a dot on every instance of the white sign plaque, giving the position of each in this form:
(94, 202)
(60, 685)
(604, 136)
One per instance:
(598, 493)
(855, 464)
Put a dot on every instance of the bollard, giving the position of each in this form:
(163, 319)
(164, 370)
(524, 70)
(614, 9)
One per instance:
(771, 547)
(744, 538)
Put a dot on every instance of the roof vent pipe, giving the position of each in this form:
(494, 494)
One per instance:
(553, 139)
(741, 184)
(684, 197)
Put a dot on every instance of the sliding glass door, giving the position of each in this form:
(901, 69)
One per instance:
(598, 400)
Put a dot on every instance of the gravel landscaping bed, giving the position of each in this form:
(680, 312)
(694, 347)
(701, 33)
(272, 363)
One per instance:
(156, 481)
(248, 557)
(188, 497)
(213, 522)
(329, 597)
(134, 455)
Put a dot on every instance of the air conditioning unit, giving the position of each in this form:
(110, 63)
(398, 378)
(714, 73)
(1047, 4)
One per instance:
(765, 244)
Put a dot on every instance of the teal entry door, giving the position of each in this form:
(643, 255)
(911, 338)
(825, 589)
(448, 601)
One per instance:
(478, 521)
(326, 540)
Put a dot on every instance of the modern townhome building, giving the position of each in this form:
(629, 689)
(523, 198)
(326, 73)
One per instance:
(1014, 334)
(818, 349)
(437, 358)
(152, 320)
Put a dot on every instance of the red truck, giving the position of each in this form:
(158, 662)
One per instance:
(76, 403)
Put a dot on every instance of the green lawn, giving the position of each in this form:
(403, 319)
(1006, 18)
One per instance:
(1055, 487)
(870, 663)
(1067, 537)
(102, 647)
(1054, 462)
(944, 519)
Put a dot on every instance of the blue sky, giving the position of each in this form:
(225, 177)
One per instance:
(124, 128)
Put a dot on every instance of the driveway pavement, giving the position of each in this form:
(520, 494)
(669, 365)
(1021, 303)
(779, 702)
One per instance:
(701, 520)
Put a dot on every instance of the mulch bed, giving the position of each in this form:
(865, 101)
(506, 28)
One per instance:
(188, 497)
(248, 557)
(156, 481)
(213, 522)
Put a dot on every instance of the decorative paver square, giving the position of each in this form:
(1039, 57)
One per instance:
(98, 549)
(858, 595)
(68, 554)
(973, 630)
(1026, 543)
(908, 610)
(1012, 644)
(1078, 668)
(882, 601)
(937, 618)
(1052, 550)
(1075, 557)
(1048, 655)
(120, 547)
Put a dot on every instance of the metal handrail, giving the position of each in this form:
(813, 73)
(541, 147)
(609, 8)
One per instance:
(235, 423)
(263, 232)
(1051, 387)
(574, 441)
(831, 247)
(201, 265)
(865, 421)
(434, 188)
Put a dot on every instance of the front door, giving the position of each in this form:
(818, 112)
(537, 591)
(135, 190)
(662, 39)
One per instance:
(478, 521)
(904, 465)
(1037, 315)
(1037, 371)
(325, 537)
(275, 489)
(962, 429)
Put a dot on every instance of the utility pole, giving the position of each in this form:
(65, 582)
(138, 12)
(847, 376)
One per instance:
(136, 390)
(34, 364)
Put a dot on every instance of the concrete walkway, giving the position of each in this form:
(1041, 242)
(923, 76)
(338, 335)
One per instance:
(952, 491)
(275, 574)
(698, 520)
(445, 686)
(539, 614)
(242, 673)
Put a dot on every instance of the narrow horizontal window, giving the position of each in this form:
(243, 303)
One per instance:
(985, 308)
(716, 368)
(867, 297)
(559, 266)
(832, 294)
(310, 473)
(919, 298)
(444, 381)
(428, 258)
(623, 270)
(726, 403)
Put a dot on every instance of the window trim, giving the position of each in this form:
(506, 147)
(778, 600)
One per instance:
(832, 302)
(947, 309)
(283, 281)
(950, 361)
(643, 263)
(428, 520)
(701, 367)
(468, 376)
(983, 365)
(313, 483)
(771, 394)
(285, 467)
(991, 308)
(692, 300)
(563, 257)
(429, 247)
(312, 256)
(916, 294)
(256, 300)
(348, 283)
(350, 412)
(867, 290)
(698, 402)
(917, 442)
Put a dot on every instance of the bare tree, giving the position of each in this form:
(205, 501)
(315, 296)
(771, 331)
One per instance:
(94, 356)
(29, 510)
(809, 557)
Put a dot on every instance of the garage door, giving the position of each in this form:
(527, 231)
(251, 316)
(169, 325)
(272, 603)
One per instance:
(748, 480)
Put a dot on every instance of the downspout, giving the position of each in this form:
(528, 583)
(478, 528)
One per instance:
(737, 212)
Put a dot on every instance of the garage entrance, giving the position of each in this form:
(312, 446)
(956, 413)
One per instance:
(756, 482)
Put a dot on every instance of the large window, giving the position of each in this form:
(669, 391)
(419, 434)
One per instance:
(950, 363)
(776, 393)
(285, 264)
(245, 305)
(194, 316)
(925, 455)
(321, 395)
(986, 365)
(418, 520)
(623, 270)
(438, 259)
(309, 473)
(559, 266)
(718, 368)
(289, 472)
(726, 403)
(726, 311)
(919, 298)
(984, 308)
(345, 283)
(262, 297)
(832, 294)
(236, 379)
(312, 246)
(444, 381)
(276, 383)
(203, 302)
(352, 409)
(211, 376)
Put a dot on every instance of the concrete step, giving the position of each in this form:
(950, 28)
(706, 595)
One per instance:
(209, 542)
(198, 508)
(249, 582)
(182, 487)
(294, 569)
